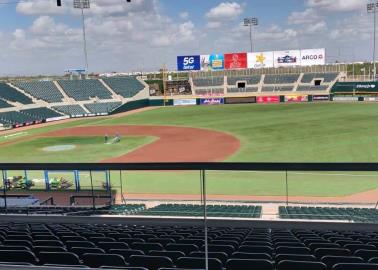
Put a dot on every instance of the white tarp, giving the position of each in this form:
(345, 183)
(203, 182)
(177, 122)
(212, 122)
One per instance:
(313, 57)
(260, 60)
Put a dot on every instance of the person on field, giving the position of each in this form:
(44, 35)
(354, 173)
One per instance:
(106, 138)
(117, 137)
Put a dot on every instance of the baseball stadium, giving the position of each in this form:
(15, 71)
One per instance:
(261, 160)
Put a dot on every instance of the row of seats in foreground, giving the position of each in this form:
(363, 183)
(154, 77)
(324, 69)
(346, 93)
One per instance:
(183, 247)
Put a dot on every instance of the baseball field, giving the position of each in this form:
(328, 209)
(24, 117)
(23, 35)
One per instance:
(318, 132)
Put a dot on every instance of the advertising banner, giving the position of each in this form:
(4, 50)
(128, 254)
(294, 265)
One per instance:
(367, 87)
(212, 62)
(313, 57)
(320, 98)
(296, 98)
(184, 102)
(240, 100)
(211, 101)
(268, 99)
(345, 98)
(287, 58)
(260, 60)
(188, 63)
(371, 99)
(235, 60)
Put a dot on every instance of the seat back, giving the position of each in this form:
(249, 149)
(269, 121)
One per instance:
(291, 265)
(98, 260)
(355, 266)
(150, 262)
(198, 263)
(237, 264)
(58, 258)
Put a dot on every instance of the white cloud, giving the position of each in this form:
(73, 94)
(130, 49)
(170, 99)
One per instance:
(307, 16)
(225, 11)
(213, 25)
(39, 7)
(316, 27)
(184, 15)
(338, 5)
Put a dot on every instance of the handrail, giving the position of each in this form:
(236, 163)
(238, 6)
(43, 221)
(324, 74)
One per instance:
(192, 166)
(48, 200)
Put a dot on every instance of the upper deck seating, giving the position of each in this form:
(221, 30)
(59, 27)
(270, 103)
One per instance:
(11, 94)
(124, 86)
(250, 80)
(281, 79)
(44, 90)
(327, 77)
(210, 81)
(85, 89)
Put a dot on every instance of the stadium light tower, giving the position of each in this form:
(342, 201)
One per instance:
(251, 22)
(373, 8)
(83, 4)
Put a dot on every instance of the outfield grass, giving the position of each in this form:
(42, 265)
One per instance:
(323, 132)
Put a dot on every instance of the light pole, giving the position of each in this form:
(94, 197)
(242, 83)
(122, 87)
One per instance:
(83, 4)
(251, 22)
(373, 8)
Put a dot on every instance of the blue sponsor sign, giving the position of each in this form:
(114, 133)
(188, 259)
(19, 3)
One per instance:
(216, 61)
(187, 63)
(211, 101)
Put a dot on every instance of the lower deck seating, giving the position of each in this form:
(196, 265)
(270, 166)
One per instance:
(4, 104)
(41, 113)
(209, 91)
(70, 109)
(14, 117)
(105, 107)
(197, 210)
(242, 90)
(312, 88)
(154, 247)
(329, 213)
(278, 88)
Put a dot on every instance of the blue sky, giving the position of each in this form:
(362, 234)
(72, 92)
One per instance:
(37, 37)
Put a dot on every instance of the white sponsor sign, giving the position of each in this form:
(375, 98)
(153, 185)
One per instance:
(57, 118)
(371, 99)
(313, 57)
(260, 60)
(205, 62)
(345, 98)
(185, 102)
(287, 58)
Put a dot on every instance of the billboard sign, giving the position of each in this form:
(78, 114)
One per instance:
(260, 60)
(296, 98)
(212, 62)
(268, 99)
(187, 63)
(287, 58)
(320, 98)
(184, 102)
(211, 101)
(345, 98)
(235, 60)
(313, 57)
